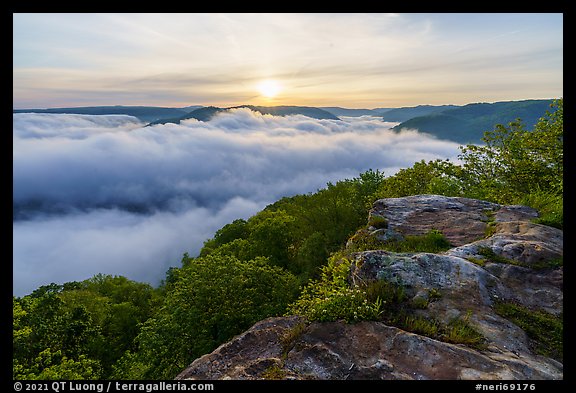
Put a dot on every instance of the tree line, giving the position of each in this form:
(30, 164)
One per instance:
(109, 327)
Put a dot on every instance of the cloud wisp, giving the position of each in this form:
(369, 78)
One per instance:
(104, 194)
(323, 59)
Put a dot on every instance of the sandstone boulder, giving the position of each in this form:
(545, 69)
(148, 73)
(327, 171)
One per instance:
(366, 350)
(461, 220)
(498, 254)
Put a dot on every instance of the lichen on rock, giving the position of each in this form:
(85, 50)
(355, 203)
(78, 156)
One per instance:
(497, 255)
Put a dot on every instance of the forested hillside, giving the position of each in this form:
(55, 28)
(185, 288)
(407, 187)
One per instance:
(404, 114)
(113, 328)
(467, 124)
(206, 113)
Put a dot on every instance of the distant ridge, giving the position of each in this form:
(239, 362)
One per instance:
(339, 111)
(206, 113)
(467, 124)
(143, 113)
(407, 113)
(461, 124)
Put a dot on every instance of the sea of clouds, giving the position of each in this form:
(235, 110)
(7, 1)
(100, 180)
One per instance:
(105, 194)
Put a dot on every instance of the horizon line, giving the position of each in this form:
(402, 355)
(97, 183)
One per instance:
(304, 106)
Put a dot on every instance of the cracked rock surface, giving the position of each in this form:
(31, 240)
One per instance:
(469, 283)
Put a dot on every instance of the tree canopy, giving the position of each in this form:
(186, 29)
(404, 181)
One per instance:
(112, 327)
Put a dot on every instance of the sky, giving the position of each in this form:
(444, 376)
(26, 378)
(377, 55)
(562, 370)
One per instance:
(105, 194)
(349, 60)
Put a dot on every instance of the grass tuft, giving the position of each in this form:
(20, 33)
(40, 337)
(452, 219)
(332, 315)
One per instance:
(433, 241)
(544, 329)
(459, 331)
(290, 336)
(274, 372)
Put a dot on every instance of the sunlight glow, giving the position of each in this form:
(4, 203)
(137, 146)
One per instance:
(269, 88)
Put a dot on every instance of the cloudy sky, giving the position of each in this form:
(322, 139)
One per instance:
(350, 60)
(104, 194)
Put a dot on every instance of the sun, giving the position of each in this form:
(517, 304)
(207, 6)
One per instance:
(269, 88)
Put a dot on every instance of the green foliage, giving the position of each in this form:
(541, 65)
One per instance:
(389, 293)
(421, 325)
(274, 372)
(548, 203)
(378, 222)
(332, 299)
(434, 294)
(512, 165)
(514, 161)
(459, 331)
(348, 304)
(235, 230)
(78, 330)
(111, 327)
(433, 241)
(422, 301)
(477, 261)
(311, 254)
(50, 365)
(363, 240)
(419, 302)
(490, 223)
(213, 299)
(491, 256)
(298, 233)
(271, 235)
(434, 177)
(544, 329)
(21, 331)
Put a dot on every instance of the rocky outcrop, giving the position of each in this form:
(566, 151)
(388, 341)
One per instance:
(365, 350)
(461, 220)
(498, 251)
(498, 255)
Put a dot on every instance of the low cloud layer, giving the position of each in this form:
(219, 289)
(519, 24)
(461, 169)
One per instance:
(104, 194)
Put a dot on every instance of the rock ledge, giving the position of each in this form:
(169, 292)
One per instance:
(469, 282)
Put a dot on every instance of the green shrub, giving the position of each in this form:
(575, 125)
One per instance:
(213, 299)
(545, 329)
(514, 161)
(389, 293)
(459, 331)
(377, 222)
(433, 241)
(363, 240)
(419, 302)
(345, 304)
(490, 223)
(332, 299)
(434, 294)
(420, 325)
(550, 206)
